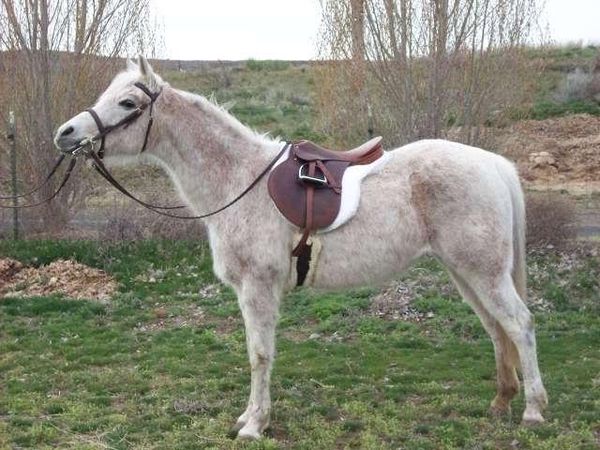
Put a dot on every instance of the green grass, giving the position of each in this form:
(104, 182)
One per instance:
(279, 97)
(545, 109)
(79, 374)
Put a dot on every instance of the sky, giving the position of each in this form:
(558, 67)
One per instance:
(287, 29)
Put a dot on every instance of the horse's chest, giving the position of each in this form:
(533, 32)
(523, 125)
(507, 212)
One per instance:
(251, 255)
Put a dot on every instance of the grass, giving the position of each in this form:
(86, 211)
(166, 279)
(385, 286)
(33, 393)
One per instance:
(278, 96)
(545, 109)
(129, 374)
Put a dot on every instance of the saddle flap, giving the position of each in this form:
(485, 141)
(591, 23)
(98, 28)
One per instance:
(288, 193)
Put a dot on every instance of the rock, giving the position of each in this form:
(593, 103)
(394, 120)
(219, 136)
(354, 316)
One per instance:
(542, 160)
(160, 313)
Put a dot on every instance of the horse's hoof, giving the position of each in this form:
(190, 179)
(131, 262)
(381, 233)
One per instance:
(496, 411)
(248, 435)
(233, 431)
(532, 418)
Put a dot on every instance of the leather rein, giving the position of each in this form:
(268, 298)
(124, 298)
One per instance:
(86, 147)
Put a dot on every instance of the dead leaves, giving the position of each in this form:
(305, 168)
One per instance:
(63, 277)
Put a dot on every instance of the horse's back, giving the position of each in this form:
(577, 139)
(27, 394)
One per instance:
(454, 171)
(436, 152)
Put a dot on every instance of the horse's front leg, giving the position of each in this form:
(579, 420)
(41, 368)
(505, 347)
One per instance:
(260, 309)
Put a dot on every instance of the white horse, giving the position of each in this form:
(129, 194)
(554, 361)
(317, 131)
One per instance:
(462, 204)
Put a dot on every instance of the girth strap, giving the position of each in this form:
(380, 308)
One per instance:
(303, 250)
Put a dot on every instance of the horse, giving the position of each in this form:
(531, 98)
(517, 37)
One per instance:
(461, 204)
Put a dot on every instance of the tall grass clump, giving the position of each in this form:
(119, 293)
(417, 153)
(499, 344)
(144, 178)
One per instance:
(550, 221)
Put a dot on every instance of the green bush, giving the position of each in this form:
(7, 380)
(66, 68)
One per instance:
(266, 65)
(546, 109)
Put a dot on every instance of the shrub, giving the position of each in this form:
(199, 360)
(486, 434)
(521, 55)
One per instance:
(546, 109)
(267, 65)
(144, 224)
(550, 220)
(120, 228)
(577, 85)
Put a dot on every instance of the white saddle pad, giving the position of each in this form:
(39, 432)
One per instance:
(351, 181)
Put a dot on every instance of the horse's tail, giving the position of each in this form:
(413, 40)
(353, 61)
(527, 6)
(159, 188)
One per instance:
(519, 270)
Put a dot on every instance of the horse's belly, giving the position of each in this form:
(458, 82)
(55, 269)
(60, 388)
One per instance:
(378, 243)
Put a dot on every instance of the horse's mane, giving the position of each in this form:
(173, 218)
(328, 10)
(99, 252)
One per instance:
(222, 112)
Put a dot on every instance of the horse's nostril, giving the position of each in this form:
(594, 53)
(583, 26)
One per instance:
(67, 131)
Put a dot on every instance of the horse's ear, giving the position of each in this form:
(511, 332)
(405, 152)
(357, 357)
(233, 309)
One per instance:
(145, 67)
(132, 66)
(147, 72)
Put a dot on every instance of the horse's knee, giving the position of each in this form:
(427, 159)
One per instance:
(260, 359)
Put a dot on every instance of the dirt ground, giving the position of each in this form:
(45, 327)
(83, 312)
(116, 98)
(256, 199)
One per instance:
(556, 154)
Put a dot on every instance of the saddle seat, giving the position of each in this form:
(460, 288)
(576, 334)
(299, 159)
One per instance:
(363, 154)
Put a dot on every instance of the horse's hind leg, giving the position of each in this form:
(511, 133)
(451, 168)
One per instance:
(507, 356)
(500, 299)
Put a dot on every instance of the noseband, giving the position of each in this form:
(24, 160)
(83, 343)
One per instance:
(126, 121)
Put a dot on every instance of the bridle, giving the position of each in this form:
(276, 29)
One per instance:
(125, 122)
(86, 147)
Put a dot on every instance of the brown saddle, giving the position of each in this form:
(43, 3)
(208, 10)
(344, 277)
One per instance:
(307, 187)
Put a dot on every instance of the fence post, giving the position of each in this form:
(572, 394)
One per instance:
(370, 120)
(12, 138)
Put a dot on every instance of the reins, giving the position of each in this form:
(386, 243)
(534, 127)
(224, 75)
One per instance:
(58, 162)
(66, 177)
(103, 171)
(86, 147)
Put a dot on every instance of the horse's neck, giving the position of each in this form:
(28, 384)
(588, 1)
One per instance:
(210, 156)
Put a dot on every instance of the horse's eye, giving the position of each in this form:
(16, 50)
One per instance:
(127, 104)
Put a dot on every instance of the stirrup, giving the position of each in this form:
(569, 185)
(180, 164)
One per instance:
(312, 180)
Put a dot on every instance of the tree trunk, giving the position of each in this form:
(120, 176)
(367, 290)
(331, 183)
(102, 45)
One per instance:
(438, 55)
(357, 9)
(390, 12)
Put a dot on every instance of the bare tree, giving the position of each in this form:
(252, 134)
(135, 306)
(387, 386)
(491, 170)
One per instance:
(54, 56)
(430, 65)
(357, 10)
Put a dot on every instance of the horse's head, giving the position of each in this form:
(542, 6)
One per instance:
(120, 120)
